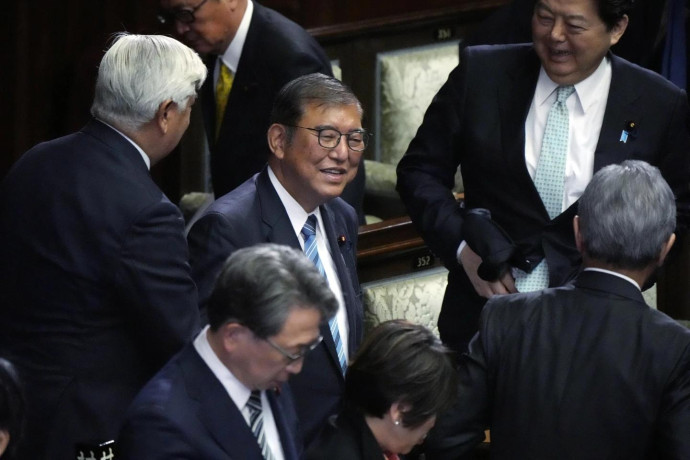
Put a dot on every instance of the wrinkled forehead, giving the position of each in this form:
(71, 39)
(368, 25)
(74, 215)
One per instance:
(316, 111)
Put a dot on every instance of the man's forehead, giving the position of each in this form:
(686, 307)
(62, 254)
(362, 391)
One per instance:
(317, 110)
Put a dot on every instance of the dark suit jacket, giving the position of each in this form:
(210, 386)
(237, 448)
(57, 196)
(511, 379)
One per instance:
(346, 437)
(579, 372)
(477, 121)
(185, 412)
(253, 214)
(96, 291)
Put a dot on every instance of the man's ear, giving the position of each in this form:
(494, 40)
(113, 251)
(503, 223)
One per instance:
(163, 115)
(277, 139)
(578, 236)
(666, 248)
(234, 335)
(4, 440)
(619, 29)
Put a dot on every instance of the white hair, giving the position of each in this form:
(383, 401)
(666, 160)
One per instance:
(138, 73)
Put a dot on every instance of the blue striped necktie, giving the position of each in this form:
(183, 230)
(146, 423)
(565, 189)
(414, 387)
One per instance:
(549, 179)
(256, 423)
(310, 249)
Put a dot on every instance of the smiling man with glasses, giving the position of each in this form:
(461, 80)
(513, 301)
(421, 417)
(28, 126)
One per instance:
(317, 142)
(223, 396)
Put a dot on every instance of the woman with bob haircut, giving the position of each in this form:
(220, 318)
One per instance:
(401, 378)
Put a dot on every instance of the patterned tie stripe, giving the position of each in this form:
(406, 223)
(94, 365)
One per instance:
(311, 250)
(256, 422)
(549, 179)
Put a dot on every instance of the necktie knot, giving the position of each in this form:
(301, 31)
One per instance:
(254, 402)
(563, 93)
(309, 228)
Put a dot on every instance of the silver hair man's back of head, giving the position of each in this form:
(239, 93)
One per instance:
(140, 72)
(627, 214)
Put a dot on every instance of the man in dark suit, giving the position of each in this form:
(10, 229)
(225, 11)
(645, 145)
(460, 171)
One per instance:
(96, 290)
(491, 118)
(223, 396)
(586, 370)
(316, 139)
(263, 51)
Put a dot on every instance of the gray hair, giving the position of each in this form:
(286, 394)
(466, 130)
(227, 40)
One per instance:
(259, 285)
(627, 214)
(138, 73)
(290, 104)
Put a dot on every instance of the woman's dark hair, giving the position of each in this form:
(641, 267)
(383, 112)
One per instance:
(405, 363)
(11, 405)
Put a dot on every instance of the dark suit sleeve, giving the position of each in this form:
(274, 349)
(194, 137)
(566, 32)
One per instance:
(148, 434)
(210, 244)
(152, 277)
(459, 430)
(426, 173)
(674, 418)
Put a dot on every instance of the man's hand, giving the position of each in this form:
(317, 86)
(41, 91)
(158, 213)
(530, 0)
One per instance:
(470, 261)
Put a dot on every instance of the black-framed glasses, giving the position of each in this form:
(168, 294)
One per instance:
(183, 15)
(329, 138)
(292, 357)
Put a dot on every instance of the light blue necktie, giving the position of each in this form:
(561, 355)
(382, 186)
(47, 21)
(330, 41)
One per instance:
(310, 249)
(256, 423)
(549, 179)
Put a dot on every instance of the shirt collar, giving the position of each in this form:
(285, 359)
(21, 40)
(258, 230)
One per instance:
(296, 213)
(232, 54)
(588, 91)
(602, 270)
(143, 154)
(237, 391)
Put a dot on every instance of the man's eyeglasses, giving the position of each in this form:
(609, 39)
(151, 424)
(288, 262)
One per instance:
(292, 357)
(329, 138)
(182, 15)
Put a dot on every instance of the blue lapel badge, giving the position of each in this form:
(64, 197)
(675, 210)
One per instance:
(629, 130)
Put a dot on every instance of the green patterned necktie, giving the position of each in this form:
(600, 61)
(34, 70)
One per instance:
(550, 173)
(549, 179)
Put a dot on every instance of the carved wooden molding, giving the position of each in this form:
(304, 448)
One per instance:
(392, 23)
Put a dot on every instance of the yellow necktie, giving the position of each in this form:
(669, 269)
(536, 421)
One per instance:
(223, 85)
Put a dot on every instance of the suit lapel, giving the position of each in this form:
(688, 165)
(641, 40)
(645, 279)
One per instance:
(620, 108)
(217, 411)
(245, 82)
(286, 434)
(276, 226)
(514, 101)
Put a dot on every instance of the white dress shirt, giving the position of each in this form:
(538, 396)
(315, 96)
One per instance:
(586, 107)
(298, 216)
(231, 57)
(239, 393)
(620, 275)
